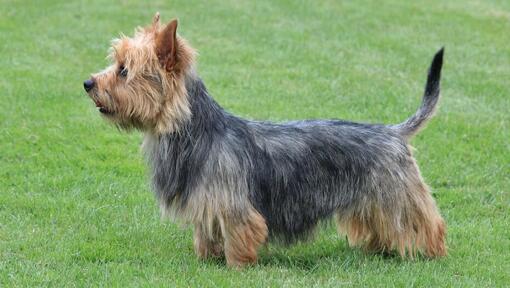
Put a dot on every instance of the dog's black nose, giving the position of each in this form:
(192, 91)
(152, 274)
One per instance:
(88, 84)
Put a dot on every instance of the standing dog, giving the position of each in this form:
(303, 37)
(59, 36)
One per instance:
(243, 182)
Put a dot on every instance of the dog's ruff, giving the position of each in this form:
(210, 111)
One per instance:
(243, 182)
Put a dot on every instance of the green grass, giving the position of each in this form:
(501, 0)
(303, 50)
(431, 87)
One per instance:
(75, 203)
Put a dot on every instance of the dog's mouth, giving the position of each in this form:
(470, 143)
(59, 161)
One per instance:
(102, 108)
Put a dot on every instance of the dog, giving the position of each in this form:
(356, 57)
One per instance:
(243, 183)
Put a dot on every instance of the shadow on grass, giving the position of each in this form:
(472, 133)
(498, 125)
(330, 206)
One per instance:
(308, 258)
(345, 258)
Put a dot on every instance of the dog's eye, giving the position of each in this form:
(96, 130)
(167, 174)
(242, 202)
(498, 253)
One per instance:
(123, 71)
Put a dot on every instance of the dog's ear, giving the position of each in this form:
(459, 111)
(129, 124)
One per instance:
(166, 45)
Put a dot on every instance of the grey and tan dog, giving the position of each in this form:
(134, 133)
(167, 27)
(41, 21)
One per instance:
(243, 182)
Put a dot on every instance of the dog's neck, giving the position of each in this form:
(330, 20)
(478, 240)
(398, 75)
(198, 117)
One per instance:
(206, 114)
(176, 157)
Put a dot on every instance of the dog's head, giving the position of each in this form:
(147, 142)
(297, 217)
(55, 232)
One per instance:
(144, 87)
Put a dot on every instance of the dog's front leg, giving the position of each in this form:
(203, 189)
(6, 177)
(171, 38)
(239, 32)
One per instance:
(208, 245)
(243, 237)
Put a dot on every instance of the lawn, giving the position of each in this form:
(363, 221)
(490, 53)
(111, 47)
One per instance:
(75, 202)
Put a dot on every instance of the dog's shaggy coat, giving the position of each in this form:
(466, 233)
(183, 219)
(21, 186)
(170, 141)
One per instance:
(241, 182)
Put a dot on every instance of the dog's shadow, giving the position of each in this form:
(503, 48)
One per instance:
(309, 258)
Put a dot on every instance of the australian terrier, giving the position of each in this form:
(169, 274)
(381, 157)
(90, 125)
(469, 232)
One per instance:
(242, 183)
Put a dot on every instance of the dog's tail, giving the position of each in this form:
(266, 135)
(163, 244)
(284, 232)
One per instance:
(429, 103)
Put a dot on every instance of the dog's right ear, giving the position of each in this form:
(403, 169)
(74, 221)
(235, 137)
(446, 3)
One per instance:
(166, 45)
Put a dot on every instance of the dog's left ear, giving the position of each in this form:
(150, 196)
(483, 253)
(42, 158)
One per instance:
(166, 45)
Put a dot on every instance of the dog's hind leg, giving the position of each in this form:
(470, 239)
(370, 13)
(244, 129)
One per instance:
(428, 226)
(366, 229)
(412, 223)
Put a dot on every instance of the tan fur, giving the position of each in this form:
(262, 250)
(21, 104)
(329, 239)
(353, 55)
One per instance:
(420, 226)
(205, 246)
(238, 239)
(136, 100)
(242, 239)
